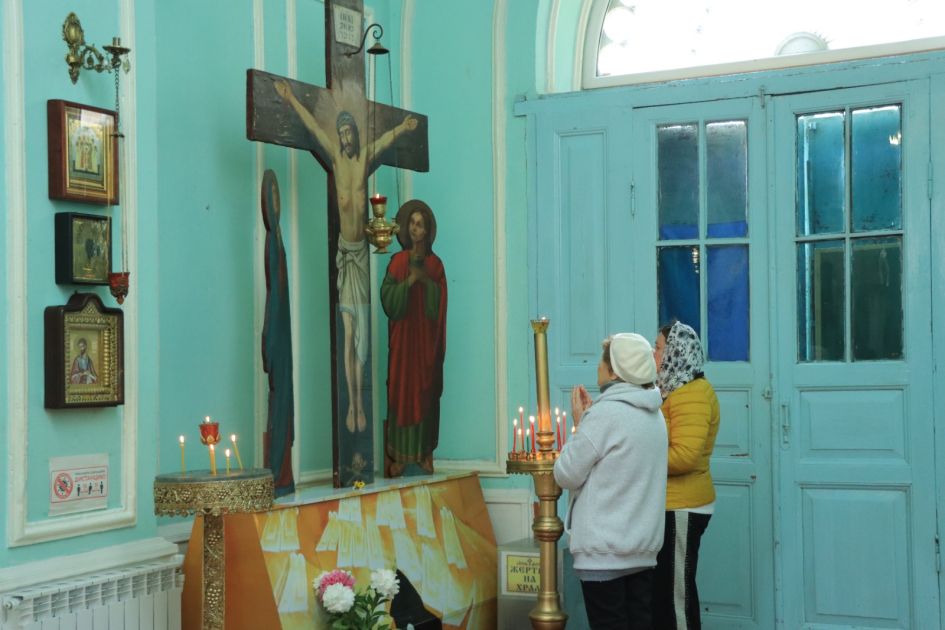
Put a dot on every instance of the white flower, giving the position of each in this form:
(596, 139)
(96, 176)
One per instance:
(338, 598)
(385, 582)
(316, 583)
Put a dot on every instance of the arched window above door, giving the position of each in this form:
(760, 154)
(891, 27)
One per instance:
(636, 41)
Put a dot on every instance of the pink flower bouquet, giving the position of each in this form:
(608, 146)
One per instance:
(352, 610)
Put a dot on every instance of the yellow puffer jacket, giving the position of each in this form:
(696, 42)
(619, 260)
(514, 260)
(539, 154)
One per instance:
(692, 421)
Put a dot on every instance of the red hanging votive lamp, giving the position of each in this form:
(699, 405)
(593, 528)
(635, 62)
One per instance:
(118, 285)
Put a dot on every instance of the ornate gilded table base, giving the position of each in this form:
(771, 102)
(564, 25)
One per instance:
(199, 492)
(547, 613)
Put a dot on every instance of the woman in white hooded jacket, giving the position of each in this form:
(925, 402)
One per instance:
(615, 469)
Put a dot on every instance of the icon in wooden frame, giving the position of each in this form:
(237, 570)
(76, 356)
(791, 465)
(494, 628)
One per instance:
(84, 354)
(83, 152)
(83, 248)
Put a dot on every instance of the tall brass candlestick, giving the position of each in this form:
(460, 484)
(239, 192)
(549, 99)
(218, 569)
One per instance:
(547, 613)
(545, 435)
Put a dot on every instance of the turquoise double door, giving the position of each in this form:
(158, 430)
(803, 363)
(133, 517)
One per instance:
(795, 233)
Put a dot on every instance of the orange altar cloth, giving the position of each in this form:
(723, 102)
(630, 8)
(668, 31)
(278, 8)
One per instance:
(435, 530)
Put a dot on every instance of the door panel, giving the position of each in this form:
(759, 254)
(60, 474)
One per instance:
(856, 522)
(582, 244)
(699, 194)
(937, 274)
(824, 465)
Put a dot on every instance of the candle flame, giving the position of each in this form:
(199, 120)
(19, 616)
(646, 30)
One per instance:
(212, 448)
(521, 409)
(181, 439)
(514, 422)
(206, 418)
(227, 453)
(531, 419)
(232, 437)
(557, 412)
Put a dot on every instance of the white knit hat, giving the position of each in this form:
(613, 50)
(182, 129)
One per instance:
(631, 358)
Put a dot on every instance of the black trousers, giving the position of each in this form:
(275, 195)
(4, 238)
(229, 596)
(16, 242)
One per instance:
(621, 604)
(675, 597)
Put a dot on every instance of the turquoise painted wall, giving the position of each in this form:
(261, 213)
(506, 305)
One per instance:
(62, 433)
(314, 390)
(4, 325)
(206, 215)
(197, 209)
(459, 190)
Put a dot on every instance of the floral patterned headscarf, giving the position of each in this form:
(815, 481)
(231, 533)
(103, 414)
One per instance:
(682, 359)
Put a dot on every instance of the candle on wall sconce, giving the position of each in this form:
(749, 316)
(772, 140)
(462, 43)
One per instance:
(182, 467)
(227, 453)
(236, 450)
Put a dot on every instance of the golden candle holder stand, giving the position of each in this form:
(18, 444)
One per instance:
(204, 493)
(547, 527)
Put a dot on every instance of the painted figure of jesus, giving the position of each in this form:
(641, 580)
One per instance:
(351, 163)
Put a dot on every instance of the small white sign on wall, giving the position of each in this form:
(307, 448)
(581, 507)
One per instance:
(347, 26)
(78, 483)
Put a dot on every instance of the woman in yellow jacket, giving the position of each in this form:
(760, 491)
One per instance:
(691, 410)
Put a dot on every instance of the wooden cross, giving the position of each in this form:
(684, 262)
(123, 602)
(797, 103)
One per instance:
(350, 137)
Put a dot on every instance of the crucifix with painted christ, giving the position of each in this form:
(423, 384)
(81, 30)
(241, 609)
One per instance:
(350, 137)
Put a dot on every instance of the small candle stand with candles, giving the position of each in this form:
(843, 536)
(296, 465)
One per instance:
(538, 461)
(211, 496)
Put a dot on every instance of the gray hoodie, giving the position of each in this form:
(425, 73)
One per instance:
(615, 467)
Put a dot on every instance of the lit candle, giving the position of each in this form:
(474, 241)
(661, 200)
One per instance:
(558, 427)
(182, 467)
(528, 432)
(213, 460)
(520, 439)
(521, 420)
(564, 430)
(514, 432)
(236, 449)
(531, 420)
(227, 453)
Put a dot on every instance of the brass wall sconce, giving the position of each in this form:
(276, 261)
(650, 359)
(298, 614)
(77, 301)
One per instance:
(377, 48)
(82, 55)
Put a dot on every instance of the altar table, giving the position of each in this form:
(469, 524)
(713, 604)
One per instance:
(435, 530)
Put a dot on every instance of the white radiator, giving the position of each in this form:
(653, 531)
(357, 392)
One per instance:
(139, 597)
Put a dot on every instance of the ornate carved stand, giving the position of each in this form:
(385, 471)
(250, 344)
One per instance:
(547, 614)
(199, 492)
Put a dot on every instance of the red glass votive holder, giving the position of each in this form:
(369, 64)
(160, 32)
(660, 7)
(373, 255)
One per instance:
(209, 433)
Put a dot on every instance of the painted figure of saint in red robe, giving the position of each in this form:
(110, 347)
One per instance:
(413, 295)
